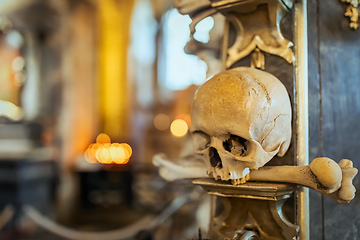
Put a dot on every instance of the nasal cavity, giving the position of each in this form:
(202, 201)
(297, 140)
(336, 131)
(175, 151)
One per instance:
(215, 159)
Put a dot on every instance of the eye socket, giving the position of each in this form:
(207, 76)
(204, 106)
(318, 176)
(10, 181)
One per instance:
(235, 145)
(201, 140)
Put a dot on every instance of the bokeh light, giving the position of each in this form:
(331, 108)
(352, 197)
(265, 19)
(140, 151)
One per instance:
(179, 128)
(103, 138)
(105, 152)
(18, 64)
(161, 122)
(20, 78)
(128, 150)
(186, 118)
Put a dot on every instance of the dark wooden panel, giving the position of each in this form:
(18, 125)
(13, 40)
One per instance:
(340, 108)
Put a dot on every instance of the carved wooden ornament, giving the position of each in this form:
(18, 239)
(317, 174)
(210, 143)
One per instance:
(352, 12)
(256, 22)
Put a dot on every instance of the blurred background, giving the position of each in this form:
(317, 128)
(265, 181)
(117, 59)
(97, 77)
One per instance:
(90, 90)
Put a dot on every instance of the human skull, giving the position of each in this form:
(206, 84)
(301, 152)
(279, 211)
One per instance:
(241, 118)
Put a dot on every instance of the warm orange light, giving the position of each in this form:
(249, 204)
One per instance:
(103, 138)
(128, 150)
(185, 117)
(120, 155)
(105, 152)
(179, 128)
(89, 155)
(91, 151)
(161, 121)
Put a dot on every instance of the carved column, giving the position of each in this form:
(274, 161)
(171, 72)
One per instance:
(256, 33)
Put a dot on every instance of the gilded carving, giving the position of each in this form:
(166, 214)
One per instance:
(256, 24)
(262, 218)
(352, 12)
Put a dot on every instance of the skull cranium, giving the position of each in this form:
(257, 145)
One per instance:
(241, 118)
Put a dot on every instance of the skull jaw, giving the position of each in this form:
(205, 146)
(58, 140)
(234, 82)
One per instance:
(222, 165)
(237, 168)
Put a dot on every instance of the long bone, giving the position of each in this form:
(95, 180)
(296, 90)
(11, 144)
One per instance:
(322, 174)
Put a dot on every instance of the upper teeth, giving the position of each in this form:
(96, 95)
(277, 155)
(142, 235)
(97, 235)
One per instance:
(240, 180)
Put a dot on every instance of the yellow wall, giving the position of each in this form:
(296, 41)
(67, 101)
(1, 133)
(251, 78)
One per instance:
(114, 19)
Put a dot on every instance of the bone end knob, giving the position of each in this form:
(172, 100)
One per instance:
(347, 190)
(327, 172)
